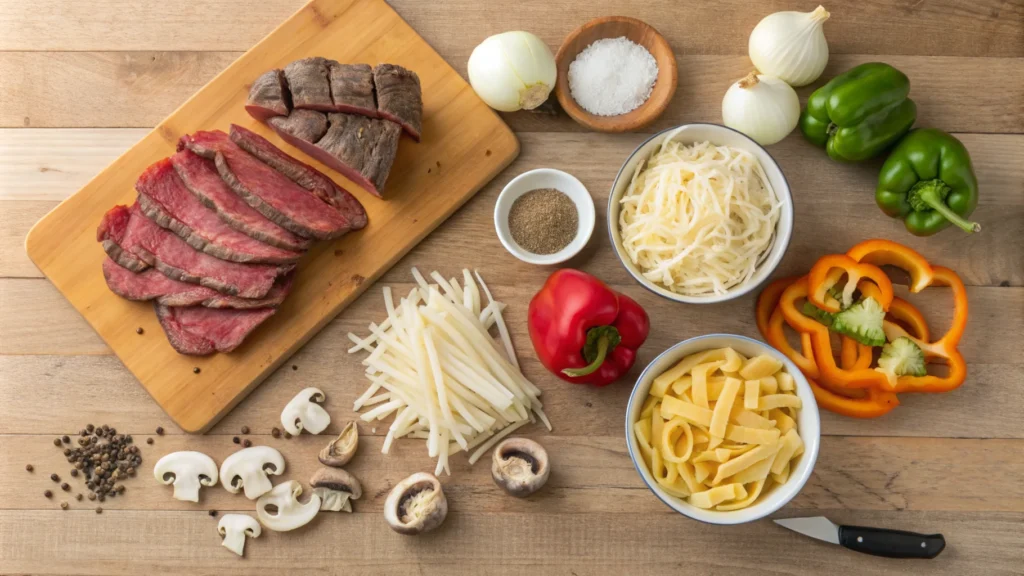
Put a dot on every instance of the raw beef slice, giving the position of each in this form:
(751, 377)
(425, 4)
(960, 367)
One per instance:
(399, 97)
(199, 331)
(110, 234)
(267, 190)
(201, 178)
(165, 200)
(309, 82)
(268, 96)
(301, 173)
(352, 89)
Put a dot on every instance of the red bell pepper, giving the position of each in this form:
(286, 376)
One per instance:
(583, 331)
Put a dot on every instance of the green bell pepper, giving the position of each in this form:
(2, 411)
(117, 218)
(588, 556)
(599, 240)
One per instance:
(860, 113)
(928, 181)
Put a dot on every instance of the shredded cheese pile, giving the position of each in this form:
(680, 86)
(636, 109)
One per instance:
(698, 219)
(434, 364)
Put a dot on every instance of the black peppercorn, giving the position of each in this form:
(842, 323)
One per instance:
(92, 496)
(247, 443)
(54, 477)
(99, 510)
(48, 494)
(65, 487)
(236, 440)
(245, 429)
(56, 441)
(139, 330)
(149, 440)
(196, 370)
(89, 428)
(294, 367)
(63, 505)
(287, 436)
(213, 513)
(78, 496)
(29, 467)
(65, 439)
(160, 430)
(275, 432)
(74, 472)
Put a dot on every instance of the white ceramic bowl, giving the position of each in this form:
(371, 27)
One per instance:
(545, 178)
(808, 422)
(721, 135)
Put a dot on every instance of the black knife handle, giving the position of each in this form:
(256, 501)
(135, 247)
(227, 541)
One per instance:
(891, 543)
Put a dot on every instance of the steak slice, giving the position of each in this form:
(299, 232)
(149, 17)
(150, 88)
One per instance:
(201, 178)
(301, 173)
(153, 285)
(268, 96)
(170, 254)
(309, 82)
(166, 201)
(352, 89)
(111, 232)
(266, 189)
(361, 148)
(198, 331)
(399, 97)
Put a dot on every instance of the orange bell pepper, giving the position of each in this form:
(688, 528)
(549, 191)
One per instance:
(829, 269)
(768, 300)
(888, 253)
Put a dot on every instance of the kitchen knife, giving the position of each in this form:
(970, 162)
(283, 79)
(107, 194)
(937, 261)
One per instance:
(874, 541)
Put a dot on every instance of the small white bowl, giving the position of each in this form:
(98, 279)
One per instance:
(808, 425)
(720, 135)
(545, 178)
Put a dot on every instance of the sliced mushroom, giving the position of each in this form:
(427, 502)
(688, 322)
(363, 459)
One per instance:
(188, 471)
(341, 449)
(520, 466)
(304, 412)
(234, 528)
(249, 468)
(336, 489)
(280, 509)
(416, 504)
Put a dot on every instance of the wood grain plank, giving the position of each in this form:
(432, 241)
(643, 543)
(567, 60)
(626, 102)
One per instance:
(138, 89)
(945, 27)
(834, 204)
(590, 474)
(514, 544)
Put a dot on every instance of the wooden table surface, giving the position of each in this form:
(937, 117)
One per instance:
(82, 80)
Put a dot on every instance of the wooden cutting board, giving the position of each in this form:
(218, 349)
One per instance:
(464, 146)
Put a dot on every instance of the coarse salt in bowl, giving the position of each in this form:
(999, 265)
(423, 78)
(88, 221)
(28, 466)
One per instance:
(808, 426)
(545, 178)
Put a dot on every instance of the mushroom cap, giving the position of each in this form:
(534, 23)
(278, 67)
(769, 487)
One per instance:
(303, 412)
(520, 466)
(188, 471)
(336, 479)
(339, 451)
(251, 467)
(290, 513)
(416, 504)
(234, 528)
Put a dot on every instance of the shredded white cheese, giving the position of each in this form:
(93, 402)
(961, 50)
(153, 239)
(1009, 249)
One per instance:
(435, 366)
(698, 219)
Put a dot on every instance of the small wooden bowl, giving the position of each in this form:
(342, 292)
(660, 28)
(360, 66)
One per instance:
(614, 27)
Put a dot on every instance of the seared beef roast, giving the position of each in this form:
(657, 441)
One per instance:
(362, 148)
(198, 331)
(352, 89)
(310, 84)
(153, 285)
(202, 180)
(399, 97)
(302, 125)
(268, 96)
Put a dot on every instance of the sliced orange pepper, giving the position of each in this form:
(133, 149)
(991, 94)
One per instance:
(889, 253)
(827, 271)
(875, 403)
(768, 300)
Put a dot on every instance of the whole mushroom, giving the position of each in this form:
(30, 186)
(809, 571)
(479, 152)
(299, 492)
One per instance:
(281, 511)
(520, 466)
(234, 528)
(416, 504)
(340, 450)
(249, 468)
(303, 412)
(336, 489)
(188, 471)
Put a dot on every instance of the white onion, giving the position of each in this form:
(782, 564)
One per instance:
(762, 107)
(512, 71)
(791, 45)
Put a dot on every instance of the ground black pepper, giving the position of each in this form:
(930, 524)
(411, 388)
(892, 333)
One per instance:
(543, 221)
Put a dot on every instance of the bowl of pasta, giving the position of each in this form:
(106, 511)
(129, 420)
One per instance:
(723, 429)
(700, 214)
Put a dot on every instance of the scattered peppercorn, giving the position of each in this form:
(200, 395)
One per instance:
(247, 443)
(213, 513)
(63, 505)
(74, 472)
(287, 435)
(78, 496)
(275, 432)
(149, 440)
(196, 370)
(159, 430)
(48, 494)
(89, 428)
(56, 441)
(139, 330)
(245, 429)
(294, 367)
(54, 477)
(65, 439)
(99, 510)
(236, 440)
(65, 487)
(29, 467)
(92, 495)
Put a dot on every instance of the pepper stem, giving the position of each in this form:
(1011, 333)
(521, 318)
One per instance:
(602, 352)
(931, 194)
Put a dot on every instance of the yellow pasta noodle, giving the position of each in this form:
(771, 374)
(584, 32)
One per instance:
(721, 430)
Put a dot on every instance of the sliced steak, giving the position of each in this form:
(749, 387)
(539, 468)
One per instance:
(301, 173)
(198, 331)
(363, 149)
(111, 232)
(166, 201)
(309, 82)
(305, 125)
(268, 96)
(201, 178)
(169, 254)
(399, 97)
(266, 189)
(352, 88)
(153, 285)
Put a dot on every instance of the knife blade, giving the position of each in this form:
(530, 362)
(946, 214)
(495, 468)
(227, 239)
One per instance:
(873, 541)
